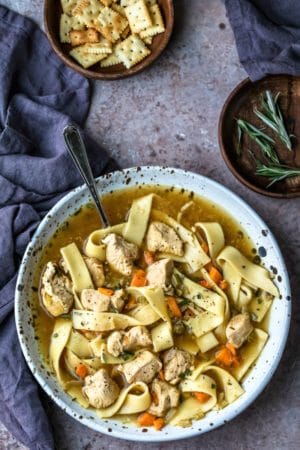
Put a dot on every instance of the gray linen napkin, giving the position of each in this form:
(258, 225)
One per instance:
(267, 34)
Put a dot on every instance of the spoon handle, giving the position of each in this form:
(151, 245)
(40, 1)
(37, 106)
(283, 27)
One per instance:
(78, 153)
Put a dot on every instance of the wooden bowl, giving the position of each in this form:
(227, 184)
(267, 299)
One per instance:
(52, 12)
(240, 104)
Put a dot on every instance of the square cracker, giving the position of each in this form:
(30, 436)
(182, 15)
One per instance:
(104, 46)
(125, 3)
(138, 16)
(157, 23)
(68, 5)
(111, 24)
(88, 11)
(79, 37)
(107, 2)
(86, 59)
(119, 9)
(110, 60)
(131, 51)
(148, 40)
(68, 24)
(125, 33)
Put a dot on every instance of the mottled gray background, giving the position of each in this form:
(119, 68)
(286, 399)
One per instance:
(168, 115)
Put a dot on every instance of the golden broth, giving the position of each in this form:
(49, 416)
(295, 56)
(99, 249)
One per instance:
(117, 204)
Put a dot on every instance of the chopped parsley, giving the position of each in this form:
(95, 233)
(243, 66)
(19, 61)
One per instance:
(185, 374)
(126, 355)
(65, 316)
(183, 303)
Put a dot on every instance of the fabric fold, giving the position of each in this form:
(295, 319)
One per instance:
(267, 35)
(39, 96)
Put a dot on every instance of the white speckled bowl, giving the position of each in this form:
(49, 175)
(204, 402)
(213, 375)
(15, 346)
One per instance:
(267, 362)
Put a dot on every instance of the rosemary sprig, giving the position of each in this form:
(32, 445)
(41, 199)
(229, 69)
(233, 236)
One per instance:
(264, 141)
(239, 139)
(275, 172)
(271, 116)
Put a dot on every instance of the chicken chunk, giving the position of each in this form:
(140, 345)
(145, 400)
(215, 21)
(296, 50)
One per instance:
(162, 238)
(159, 273)
(238, 329)
(94, 300)
(136, 337)
(100, 389)
(115, 343)
(56, 290)
(166, 397)
(176, 362)
(95, 267)
(143, 368)
(63, 266)
(120, 341)
(120, 254)
(118, 299)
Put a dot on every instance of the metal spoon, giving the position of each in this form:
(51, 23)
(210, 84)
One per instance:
(78, 153)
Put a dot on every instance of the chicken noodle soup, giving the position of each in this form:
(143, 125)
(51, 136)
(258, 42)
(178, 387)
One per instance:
(158, 316)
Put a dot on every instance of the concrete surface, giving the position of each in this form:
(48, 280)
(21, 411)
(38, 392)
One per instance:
(168, 115)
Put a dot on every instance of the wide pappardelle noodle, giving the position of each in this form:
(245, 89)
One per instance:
(154, 319)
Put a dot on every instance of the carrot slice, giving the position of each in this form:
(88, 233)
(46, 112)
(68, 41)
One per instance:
(173, 306)
(145, 419)
(223, 285)
(131, 303)
(225, 357)
(202, 397)
(148, 257)
(204, 247)
(215, 275)
(205, 284)
(236, 361)
(231, 348)
(81, 370)
(139, 278)
(106, 291)
(159, 423)
(161, 375)
(208, 266)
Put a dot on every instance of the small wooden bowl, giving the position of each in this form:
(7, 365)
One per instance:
(240, 104)
(52, 12)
